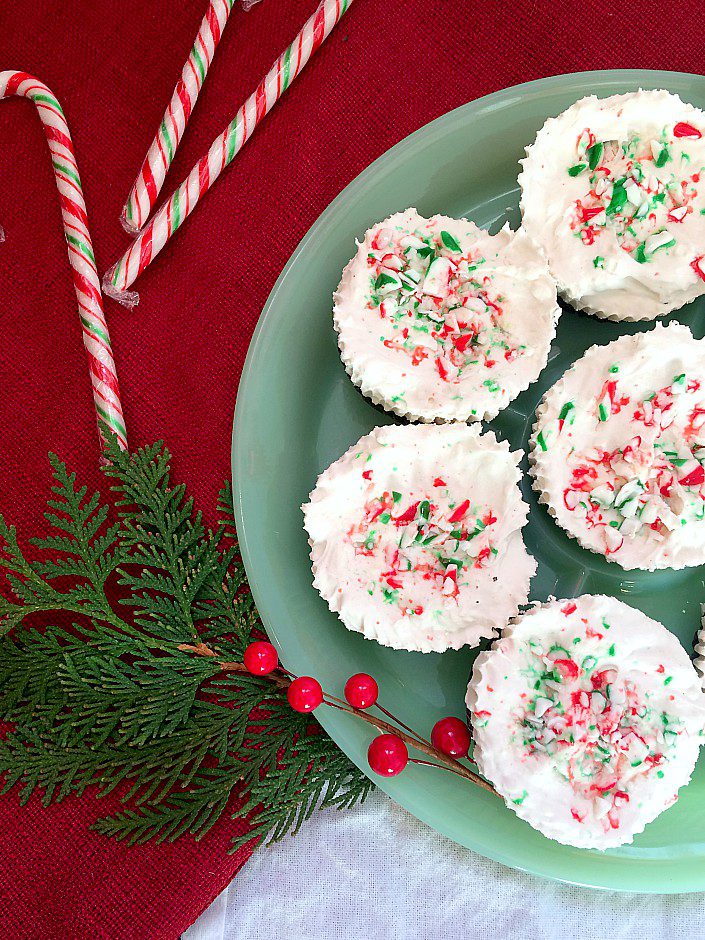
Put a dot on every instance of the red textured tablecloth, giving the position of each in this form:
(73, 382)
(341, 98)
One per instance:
(389, 68)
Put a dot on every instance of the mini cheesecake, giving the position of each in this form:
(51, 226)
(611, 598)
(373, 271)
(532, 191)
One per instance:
(415, 536)
(587, 718)
(618, 450)
(613, 190)
(438, 320)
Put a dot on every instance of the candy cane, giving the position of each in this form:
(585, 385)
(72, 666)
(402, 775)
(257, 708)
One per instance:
(156, 164)
(223, 150)
(96, 338)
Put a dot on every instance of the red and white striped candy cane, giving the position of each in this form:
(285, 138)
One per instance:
(156, 164)
(96, 338)
(173, 213)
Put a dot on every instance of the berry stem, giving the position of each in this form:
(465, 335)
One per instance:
(409, 737)
(335, 702)
(412, 740)
(430, 763)
(394, 718)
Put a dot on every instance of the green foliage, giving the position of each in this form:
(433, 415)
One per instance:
(102, 688)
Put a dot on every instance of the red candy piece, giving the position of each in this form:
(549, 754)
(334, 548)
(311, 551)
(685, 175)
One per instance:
(409, 515)
(361, 690)
(567, 668)
(461, 343)
(387, 755)
(686, 130)
(694, 478)
(304, 694)
(590, 213)
(460, 511)
(451, 736)
(260, 658)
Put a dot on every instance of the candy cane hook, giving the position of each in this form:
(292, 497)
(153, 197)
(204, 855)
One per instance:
(96, 339)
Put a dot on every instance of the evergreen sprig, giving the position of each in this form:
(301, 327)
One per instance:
(99, 685)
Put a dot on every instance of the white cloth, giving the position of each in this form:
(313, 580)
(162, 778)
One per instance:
(376, 871)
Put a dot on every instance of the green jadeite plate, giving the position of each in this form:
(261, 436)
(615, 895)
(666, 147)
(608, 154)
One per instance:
(297, 411)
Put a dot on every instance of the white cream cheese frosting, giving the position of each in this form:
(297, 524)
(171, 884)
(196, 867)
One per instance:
(613, 190)
(587, 718)
(415, 536)
(438, 320)
(618, 449)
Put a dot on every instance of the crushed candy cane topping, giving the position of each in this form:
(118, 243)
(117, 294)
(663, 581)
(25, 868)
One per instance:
(439, 319)
(625, 193)
(591, 720)
(416, 536)
(438, 301)
(613, 190)
(598, 705)
(625, 432)
(436, 539)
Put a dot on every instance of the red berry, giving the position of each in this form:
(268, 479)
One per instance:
(260, 658)
(387, 755)
(361, 690)
(304, 694)
(451, 736)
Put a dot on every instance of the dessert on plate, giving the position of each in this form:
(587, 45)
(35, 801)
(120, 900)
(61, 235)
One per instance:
(415, 536)
(588, 718)
(613, 190)
(438, 320)
(618, 449)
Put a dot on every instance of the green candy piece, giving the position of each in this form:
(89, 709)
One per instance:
(577, 169)
(619, 198)
(449, 242)
(663, 157)
(567, 412)
(384, 279)
(594, 155)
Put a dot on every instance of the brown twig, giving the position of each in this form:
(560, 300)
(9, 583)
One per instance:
(409, 737)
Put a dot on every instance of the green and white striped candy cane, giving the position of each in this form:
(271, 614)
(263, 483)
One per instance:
(150, 178)
(106, 393)
(171, 216)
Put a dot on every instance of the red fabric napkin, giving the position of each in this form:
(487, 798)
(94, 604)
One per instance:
(385, 71)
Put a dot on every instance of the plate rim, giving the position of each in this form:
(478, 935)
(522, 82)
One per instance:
(339, 726)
